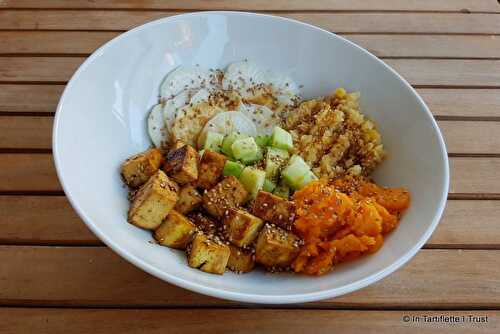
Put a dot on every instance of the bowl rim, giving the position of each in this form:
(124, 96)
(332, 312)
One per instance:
(220, 292)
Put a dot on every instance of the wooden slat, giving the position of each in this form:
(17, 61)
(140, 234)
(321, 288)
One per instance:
(427, 72)
(29, 98)
(471, 137)
(35, 172)
(42, 220)
(444, 72)
(51, 220)
(289, 5)
(442, 102)
(456, 23)
(468, 224)
(474, 175)
(445, 46)
(250, 321)
(97, 276)
(462, 102)
(28, 172)
(26, 132)
(462, 137)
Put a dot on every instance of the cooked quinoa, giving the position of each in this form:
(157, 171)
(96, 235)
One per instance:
(333, 137)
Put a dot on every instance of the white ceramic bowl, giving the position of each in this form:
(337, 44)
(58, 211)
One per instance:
(100, 121)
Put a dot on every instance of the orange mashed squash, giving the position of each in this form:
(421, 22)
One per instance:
(343, 219)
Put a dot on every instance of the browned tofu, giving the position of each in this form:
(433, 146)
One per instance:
(208, 255)
(274, 209)
(240, 261)
(211, 167)
(189, 199)
(228, 193)
(153, 202)
(182, 164)
(241, 227)
(137, 169)
(204, 223)
(276, 248)
(175, 231)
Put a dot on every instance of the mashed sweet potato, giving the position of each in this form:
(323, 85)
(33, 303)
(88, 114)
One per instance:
(342, 220)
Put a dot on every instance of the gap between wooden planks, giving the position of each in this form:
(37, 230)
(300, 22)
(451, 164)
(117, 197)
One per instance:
(241, 321)
(95, 276)
(419, 72)
(471, 103)
(383, 45)
(50, 220)
(290, 5)
(119, 20)
(471, 178)
(461, 137)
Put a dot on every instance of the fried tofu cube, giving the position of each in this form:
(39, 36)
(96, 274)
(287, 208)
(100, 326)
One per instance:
(189, 199)
(208, 255)
(137, 169)
(276, 248)
(203, 222)
(153, 202)
(175, 231)
(241, 227)
(182, 164)
(240, 261)
(211, 167)
(274, 209)
(228, 193)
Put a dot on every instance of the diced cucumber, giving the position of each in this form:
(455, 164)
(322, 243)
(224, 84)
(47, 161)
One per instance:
(296, 173)
(259, 156)
(281, 139)
(263, 140)
(213, 141)
(229, 140)
(200, 153)
(245, 149)
(275, 160)
(308, 177)
(253, 180)
(232, 168)
(282, 190)
(268, 186)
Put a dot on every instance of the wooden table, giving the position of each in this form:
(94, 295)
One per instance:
(56, 276)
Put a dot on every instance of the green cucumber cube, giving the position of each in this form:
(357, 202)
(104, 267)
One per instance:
(213, 141)
(263, 141)
(275, 160)
(282, 190)
(228, 142)
(259, 156)
(281, 139)
(245, 149)
(232, 168)
(268, 186)
(297, 173)
(253, 180)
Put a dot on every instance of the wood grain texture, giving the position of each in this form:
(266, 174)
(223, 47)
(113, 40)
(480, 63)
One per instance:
(51, 220)
(445, 46)
(29, 98)
(289, 5)
(456, 23)
(26, 132)
(42, 220)
(36, 172)
(240, 321)
(442, 102)
(461, 137)
(462, 102)
(94, 276)
(419, 72)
